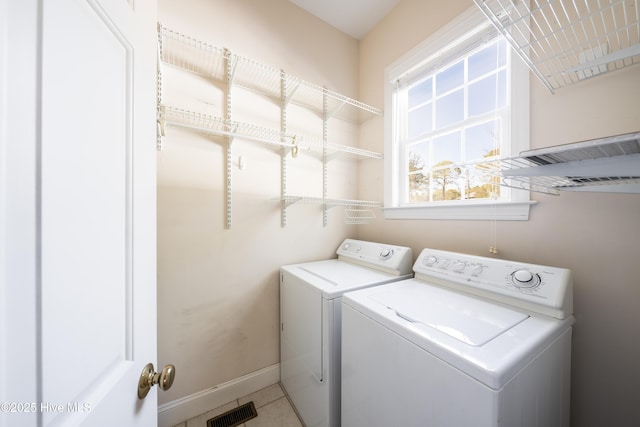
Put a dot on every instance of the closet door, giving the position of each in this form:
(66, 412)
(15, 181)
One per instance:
(82, 317)
(98, 213)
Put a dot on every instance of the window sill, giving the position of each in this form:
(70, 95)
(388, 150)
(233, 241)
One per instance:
(503, 211)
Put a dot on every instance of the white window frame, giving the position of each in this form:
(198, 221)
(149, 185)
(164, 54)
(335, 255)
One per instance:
(517, 130)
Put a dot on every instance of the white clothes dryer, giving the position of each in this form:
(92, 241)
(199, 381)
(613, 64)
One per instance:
(310, 316)
(469, 342)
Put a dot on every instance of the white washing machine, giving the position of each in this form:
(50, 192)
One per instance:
(468, 342)
(310, 316)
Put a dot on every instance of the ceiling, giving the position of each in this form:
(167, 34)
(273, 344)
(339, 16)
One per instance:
(354, 17)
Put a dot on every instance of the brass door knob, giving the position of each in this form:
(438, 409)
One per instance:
(149, 378)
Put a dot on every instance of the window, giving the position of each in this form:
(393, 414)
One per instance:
(457, 99)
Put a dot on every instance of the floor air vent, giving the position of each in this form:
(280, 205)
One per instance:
(234, 417)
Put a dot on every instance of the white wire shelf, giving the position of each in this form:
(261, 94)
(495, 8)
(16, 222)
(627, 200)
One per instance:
(523, 174)
(337, 149)
(212, 125)
(290, 200)
(358, 216)
(356, 211)
(217, 126)
(566, 41)
(310, 95)
(609, 164)
(209, 61)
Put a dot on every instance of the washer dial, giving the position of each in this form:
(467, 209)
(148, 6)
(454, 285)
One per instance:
(386, 253)
(525, 279)
(430, 260)
(459, 266)
(476, 269)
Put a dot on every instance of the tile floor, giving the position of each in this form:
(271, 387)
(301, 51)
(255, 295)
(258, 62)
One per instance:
(273, 407)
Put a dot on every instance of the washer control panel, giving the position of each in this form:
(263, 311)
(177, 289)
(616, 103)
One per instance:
(541, 289)
(393, 259)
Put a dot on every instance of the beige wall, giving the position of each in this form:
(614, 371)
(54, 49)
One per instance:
(218, 288)
(597, 236)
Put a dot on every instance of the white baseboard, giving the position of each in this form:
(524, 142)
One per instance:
(180, 410)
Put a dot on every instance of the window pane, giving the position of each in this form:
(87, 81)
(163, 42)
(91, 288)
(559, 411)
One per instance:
(447, 149)
(487, 60)
(483, 141)
(418, 188)
(502, 89)
(450, 109)
(445, 184)
(482, 96)
(418, 156)
(450, 78)
(502, 52)
(421, 93)
(418, 179)
(487, 94)
(480, 140)
(420, 121)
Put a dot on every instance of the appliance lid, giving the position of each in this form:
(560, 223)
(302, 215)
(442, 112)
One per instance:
(470, 320)
(334, 277)
(504, 340)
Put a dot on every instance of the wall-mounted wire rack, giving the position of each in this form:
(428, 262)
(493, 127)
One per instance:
(205, 123)
(210, 61)
(331, 203)
(610, 164)
(359, 215)
(213, 125)
(566, 41)
(355, 212)
(195, 56)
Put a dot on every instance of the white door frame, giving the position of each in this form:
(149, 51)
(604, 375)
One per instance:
(19, 281)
